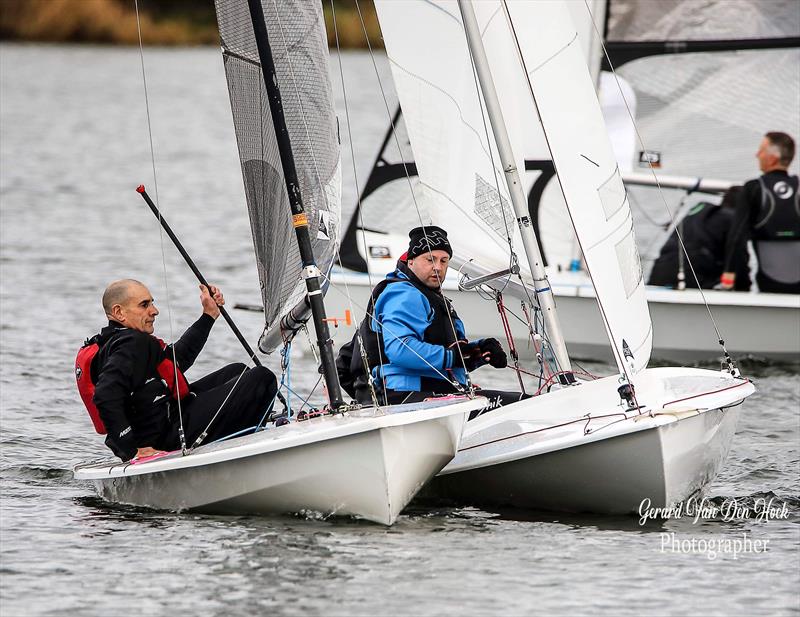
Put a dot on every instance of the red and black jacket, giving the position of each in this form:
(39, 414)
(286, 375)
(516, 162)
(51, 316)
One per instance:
(134, 381)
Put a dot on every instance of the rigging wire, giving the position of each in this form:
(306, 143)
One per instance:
(497, 172)
(721, 341)
(202, 436)
(320, 185)
(181, 430)
(181, 433)
(620, 360)
(316, 171)
(362, 349)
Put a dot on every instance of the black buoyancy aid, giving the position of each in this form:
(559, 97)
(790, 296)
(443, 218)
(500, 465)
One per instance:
(706, 250)
(776, 232)
(441, 330)
(171, 376)
(779, 212)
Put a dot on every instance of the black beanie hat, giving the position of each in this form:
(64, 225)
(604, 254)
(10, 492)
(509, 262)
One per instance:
(428, 238)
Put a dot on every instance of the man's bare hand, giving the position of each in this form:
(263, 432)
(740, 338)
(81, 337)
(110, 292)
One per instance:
(726, 281)
(211, 298)
(147, 451)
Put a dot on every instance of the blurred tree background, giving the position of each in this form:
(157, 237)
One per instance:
(163, 22)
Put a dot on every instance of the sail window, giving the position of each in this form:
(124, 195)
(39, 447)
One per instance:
(630, 266)
(488, 204)
(612, 194)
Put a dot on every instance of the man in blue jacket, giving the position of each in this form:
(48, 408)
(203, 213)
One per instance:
(416, 343)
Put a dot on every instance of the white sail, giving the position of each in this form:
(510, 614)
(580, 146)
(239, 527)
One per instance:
(457, 162)
(451, 72)
(596, 197)
(462, 185)
(386, 210)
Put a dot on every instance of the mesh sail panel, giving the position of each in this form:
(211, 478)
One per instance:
(299, 48)
(704, 112)
(693, 20)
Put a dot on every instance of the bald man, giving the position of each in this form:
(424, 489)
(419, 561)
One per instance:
(134, 387)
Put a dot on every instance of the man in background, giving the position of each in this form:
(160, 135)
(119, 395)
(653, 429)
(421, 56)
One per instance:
(768, 213)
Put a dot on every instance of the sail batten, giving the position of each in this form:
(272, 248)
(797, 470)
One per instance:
(300, 54)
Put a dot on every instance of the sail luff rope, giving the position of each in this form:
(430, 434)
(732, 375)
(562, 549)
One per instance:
(660, 191)
(161, 230)
(410, 184)
(362, 350)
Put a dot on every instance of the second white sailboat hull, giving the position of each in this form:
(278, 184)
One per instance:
(577, 450)
(655, 467)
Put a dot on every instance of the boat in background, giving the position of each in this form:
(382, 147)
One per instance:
(681, 330)
(679, 96)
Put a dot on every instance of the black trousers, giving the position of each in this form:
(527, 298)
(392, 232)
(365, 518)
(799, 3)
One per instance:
(250, 398)
(768, 285)
(497, 398)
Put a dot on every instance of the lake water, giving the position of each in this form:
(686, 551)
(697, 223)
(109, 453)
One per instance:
(74, 146)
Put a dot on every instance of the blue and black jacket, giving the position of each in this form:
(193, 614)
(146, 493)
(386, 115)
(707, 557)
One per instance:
(415, 327)
(419, 325)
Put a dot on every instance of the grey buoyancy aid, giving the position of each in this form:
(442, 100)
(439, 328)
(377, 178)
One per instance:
(776, 232)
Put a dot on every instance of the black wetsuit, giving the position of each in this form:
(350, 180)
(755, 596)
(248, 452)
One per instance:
(705, 231)
(135, 404)
(768, 213)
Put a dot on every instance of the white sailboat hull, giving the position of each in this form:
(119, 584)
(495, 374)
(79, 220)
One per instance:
(754, 324)
(368, 466)
(544, 454)
(613, 476)
(760, 325)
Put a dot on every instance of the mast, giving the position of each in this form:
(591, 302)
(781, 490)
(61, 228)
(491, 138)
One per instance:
(310, 271)
(535, 261)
